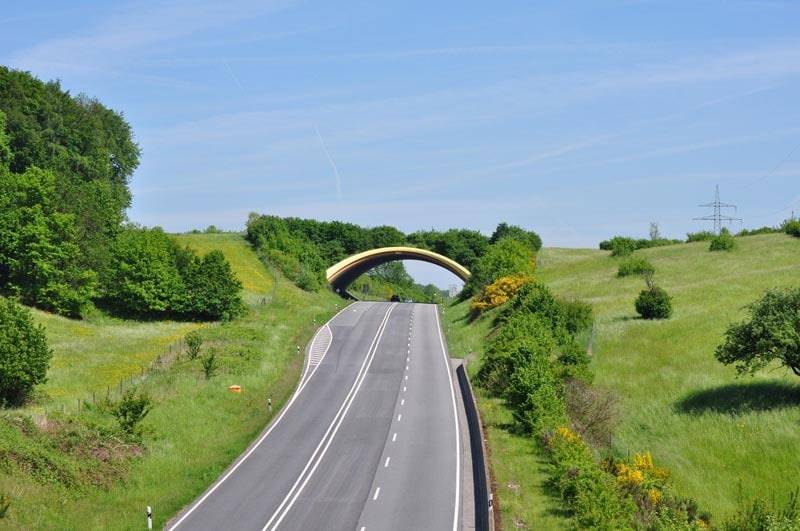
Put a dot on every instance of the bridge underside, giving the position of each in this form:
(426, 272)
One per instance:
(341, 275)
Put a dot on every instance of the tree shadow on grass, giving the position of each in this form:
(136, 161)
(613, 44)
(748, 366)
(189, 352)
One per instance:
(740, 398)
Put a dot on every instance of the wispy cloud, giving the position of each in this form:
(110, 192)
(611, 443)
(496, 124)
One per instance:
(135, 28)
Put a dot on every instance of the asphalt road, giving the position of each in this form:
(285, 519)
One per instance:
(368, 442)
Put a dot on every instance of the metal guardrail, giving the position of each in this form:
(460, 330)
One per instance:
(481, 485)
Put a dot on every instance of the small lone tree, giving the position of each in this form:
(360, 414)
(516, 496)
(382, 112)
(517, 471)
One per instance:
(193, 343)
(772, 333)
(24, 354)
(653, 302)
(131, 410)
(209, 362)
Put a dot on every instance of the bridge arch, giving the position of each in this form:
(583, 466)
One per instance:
(342, 274)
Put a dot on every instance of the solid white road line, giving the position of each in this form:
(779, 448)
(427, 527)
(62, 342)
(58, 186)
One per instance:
(294, 492)
(455, 419)
(302, 384)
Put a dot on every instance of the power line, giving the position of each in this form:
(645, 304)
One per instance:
(717, 216)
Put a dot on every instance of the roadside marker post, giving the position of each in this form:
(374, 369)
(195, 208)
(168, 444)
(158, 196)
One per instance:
(149, 517)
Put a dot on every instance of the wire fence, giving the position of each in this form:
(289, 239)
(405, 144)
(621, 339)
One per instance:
(172, 353)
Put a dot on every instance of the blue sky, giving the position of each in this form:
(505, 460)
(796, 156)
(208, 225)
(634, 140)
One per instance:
(577, 119)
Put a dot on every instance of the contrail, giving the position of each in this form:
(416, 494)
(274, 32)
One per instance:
(333, 164)
(236, 79)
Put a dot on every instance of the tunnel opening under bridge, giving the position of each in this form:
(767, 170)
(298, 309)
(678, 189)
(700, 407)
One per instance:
(343, 273)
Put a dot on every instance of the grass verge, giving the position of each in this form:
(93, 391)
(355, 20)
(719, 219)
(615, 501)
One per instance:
(196, 428)
(518, 468)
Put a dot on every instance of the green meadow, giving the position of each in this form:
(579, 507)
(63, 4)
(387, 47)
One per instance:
(723, 437)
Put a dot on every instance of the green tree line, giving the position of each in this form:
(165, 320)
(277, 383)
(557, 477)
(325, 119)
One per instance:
(303, 248)
(65, 166)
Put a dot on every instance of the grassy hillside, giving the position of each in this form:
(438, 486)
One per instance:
(58, 478)
(722, 437)
(255, 278)
(112, 350)
(717, 433)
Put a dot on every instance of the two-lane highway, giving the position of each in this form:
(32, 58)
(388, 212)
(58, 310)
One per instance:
(369, 441)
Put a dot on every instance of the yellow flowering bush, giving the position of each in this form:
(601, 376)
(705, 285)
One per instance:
(639, 473)
(499, 292)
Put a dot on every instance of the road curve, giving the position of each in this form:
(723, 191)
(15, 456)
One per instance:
(369, 441)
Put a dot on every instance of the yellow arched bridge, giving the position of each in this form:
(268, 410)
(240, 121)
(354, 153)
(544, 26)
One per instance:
(342, 274)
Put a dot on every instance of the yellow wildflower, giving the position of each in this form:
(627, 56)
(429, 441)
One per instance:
(643, 461)
(654, 496)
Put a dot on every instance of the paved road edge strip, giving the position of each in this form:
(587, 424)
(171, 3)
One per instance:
(446, 359)
(301, 383)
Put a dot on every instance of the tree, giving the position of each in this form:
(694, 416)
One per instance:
(39, 252)
(209, 363)
(504, 230)
(655, 233)
(193, 343)
(212, 289)
(5, 148)
(772, 333)
(143, 276)
(507, 257)
(88, 148)
(24, 354)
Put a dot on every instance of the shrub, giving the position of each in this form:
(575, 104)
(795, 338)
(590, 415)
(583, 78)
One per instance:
(578, 315)
(589, 491)
(700, 236)
(5, 504)
(24, 354)
(150, 274)
(499, 292)
(622, 246)
(593, 412)
(635, 265)
(758, 515)
(507, 257)
(522, 338)
(760, 230)
(131, 410)
(209, 362)
(193, 343)
(792, 227)
(722, 242)
(771, 333)
(573, 363)
(654, 303)
(534, 394)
